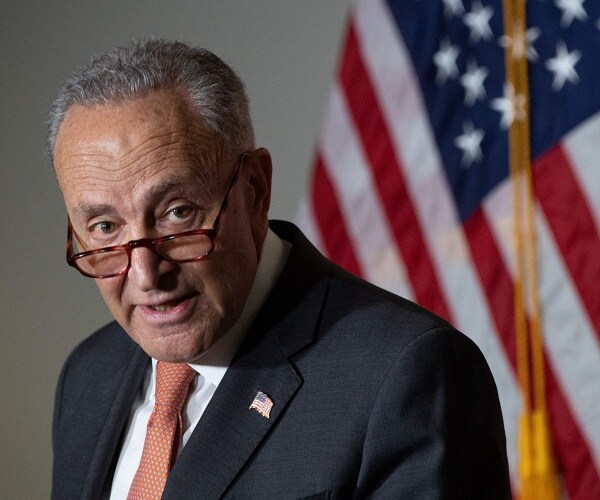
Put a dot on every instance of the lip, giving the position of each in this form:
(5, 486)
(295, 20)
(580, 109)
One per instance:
(178, 313)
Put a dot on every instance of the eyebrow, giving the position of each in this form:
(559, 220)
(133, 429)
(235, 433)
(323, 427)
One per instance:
(92, 210)
(171, 183)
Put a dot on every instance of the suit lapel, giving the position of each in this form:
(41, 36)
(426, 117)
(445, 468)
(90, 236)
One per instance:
(122, 386)
(229, 431)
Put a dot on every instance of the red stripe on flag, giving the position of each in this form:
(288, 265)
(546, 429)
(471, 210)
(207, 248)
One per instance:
(386, 169)
(572, 224)
(330, 220)
(496, 281)
(572, 451)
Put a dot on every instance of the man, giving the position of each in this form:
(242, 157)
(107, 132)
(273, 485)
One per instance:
(297, 379)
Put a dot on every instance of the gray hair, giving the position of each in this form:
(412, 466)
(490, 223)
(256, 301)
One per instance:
(217, 94)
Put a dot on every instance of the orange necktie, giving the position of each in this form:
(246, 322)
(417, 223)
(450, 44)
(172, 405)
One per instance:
(164, 432)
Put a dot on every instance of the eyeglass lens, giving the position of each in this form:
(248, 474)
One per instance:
(178, 248)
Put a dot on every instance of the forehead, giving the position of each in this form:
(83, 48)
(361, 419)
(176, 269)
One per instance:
(134, 141)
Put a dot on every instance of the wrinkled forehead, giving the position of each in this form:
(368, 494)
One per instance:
(158, 131)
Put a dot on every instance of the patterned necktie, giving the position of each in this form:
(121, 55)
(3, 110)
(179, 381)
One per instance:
(164, 431)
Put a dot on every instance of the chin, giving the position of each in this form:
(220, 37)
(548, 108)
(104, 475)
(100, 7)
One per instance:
(179, 348)
(173, 355)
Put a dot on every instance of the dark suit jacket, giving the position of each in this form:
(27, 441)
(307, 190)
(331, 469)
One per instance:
(373, 396)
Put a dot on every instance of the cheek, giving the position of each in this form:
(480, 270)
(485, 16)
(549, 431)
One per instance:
(232, 276)
(214, 282)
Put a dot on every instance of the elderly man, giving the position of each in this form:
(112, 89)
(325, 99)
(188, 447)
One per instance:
(242, 363)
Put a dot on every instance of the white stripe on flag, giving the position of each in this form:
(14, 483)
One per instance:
(581, 147)
(372, 242)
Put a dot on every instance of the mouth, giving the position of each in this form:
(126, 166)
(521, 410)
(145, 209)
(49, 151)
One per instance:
(169, 307)
(166, 306)
(176, 310)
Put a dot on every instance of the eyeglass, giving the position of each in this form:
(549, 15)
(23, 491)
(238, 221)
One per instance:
(181, 247)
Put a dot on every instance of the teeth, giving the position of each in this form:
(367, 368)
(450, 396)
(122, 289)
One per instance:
(165, 307)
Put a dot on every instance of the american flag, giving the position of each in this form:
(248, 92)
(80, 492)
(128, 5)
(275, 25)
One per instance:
(411, 188)
(262, 404)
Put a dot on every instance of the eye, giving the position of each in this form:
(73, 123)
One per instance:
(103, 227)
(181, 212)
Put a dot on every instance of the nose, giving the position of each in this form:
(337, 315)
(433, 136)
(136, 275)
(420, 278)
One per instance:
(148, 270)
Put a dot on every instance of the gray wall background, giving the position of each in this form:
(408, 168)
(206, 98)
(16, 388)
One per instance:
(286, 51)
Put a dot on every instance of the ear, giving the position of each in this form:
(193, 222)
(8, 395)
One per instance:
(258, 181)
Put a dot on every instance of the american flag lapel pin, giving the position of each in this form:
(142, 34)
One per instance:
(262, 404)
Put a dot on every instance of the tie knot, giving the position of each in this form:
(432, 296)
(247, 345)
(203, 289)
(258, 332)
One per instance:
(172, 383)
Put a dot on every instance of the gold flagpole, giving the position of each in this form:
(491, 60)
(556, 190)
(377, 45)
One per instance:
(537, 473)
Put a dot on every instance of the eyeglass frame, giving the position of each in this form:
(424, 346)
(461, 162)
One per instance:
(151, 243)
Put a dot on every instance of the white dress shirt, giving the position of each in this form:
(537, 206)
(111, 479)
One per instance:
(211, 367)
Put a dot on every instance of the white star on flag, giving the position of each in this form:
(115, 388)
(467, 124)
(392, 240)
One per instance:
(453, 8)
(470, 144)
(478, 22)
(522, 43)
(563, 66)
(445, 60)
(572, 9)
(510, 105)
(472, 81)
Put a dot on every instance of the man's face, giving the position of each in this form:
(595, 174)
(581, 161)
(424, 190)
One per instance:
(147, 168)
